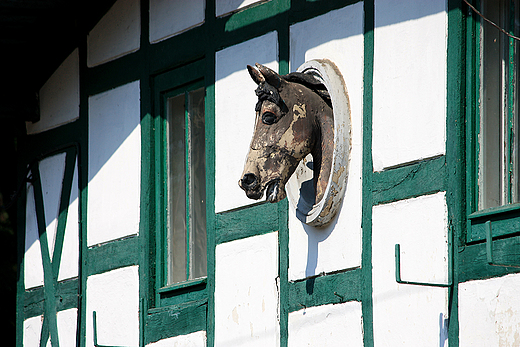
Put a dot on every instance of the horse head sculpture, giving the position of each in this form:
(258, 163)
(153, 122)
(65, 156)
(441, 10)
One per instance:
(293, 118)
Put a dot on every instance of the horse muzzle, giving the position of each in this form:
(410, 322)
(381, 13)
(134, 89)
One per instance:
(250, 183)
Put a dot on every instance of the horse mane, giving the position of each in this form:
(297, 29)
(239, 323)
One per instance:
(310, 82)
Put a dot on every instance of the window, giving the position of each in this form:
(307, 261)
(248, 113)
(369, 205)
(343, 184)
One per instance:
(499, 175)
(179, 99)
(494, 130)
(186, 238)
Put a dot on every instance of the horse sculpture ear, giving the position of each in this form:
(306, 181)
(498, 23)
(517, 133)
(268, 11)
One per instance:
(270, 76)
(255, 74)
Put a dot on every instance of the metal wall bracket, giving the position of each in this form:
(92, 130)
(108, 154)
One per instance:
(94, 323)
(398, 272)
(489, 248)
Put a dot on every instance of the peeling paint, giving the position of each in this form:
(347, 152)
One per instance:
(234, 314)
(292, 121)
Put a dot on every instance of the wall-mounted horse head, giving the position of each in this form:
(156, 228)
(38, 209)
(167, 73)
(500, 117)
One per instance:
(293, 118)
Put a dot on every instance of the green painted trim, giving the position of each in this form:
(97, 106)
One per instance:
(424, 177)
(511, 96)
(283, 270)
(49, 324)
(113, 74)
(166, 55)
(20, 285)
(251, 16)
(177, 78)
(306, 9)
(471, 258)
(332, 288)
(187, 163)
(242, 223)
(283, 206)
(490, 212)
(50, 142)
(183, 285)
(82, 138)
(210, 173)
(68, 176)
(275, 21)
(472, 111)
(170, 83)
(455, 147)
(67, 296)
(113, 255)
(367, 177)
(146, 238)
(175, 320)
(502, 224)
(33, 302)
(184, 293)
(473, 263)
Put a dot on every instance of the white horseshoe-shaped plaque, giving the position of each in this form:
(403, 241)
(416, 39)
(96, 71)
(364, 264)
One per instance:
(300, 189)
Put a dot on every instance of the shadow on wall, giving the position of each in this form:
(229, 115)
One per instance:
(393, 14)
(110, 143)
(314, 237)
(443, 329)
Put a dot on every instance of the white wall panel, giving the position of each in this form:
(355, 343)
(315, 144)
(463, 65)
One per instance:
(114, 295)
(168, 18)
(409, 90)
(489, 312)
(246, 292)
(51, 174)
(33, 265)
(59, 97)
(67, 326)
(235, 102)
(226, 6)
(412, 315)
(116, 34)
(196, 339)
(114, 170)
(338, 36)
(327, 326)
(32, 328)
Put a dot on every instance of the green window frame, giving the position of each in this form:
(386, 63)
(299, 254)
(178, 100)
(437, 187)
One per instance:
(168, 89)
(493, 126)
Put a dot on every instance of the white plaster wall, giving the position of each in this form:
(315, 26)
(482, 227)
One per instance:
(409, 90)
(226, 6)
(32, 328)
(51, 175)
(327, 325)
(70, 252)
(114, 169)
(59, 97)
(489, 312)
(67, 326)
(114, 295)
(196, 339)
(246, 292)
(33, 265)
(168, 18)
(116, 34)
(412, 315)
(338, 36)
(235, 102)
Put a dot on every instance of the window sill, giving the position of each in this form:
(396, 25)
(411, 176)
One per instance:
(495, 210)
(505, 220)
(182, 285)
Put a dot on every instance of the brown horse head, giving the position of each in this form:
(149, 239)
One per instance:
(293, 118)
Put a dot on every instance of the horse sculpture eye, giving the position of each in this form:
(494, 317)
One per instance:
(268, 118)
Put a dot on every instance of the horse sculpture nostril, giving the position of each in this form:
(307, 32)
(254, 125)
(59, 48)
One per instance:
(249, 181)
